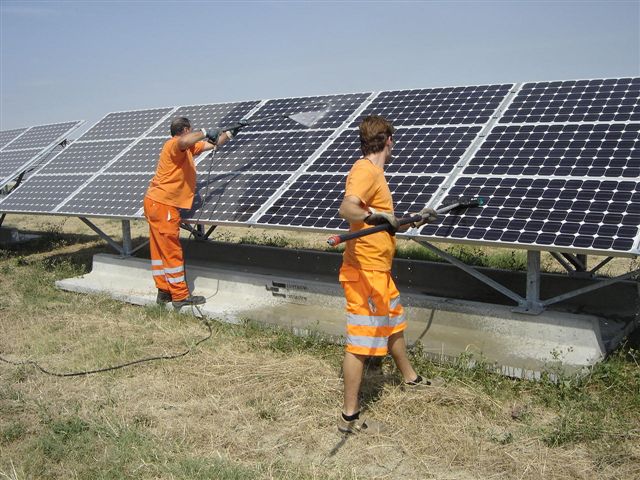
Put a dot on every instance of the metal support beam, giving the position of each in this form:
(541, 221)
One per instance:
(198, 231)
(2, 217)
(103, 235)
(567, 266)
(600, 265)
(590, 288)
(534, 305)
(474, 273)
(126, 238)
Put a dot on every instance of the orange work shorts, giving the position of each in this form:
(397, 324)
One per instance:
(374, 311)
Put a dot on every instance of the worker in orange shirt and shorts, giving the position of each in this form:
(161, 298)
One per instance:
(173, 188)
(375, 316)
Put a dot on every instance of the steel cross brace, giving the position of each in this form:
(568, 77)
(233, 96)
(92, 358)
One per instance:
(198, 231)
(126, 249)
(532, 304)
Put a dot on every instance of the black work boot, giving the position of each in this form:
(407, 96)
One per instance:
(163, 297)
(189, 301)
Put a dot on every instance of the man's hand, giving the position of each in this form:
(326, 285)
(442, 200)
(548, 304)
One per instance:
(379, 218)
(212, 134)
(428, 215)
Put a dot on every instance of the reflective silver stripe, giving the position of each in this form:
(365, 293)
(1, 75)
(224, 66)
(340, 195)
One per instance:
(175, 269)
(158, 273)
(156, 262)
(369, 342)
(176, 280)
(367, 320)
(394, 302)
(395, 321)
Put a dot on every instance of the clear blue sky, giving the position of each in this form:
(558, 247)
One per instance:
(62, 61)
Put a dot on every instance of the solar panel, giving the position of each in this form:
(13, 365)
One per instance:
(416, 150)
(11, 161)
(556, 161)
(313, 200)
(564, 175)
(41, 194)
(574, 213)
(576, 150)
(8, 136)
(273, 115)
(604, 100)
(233, 197)
(21, 148)
(423, 153)
(437, 106)
(265, 151)
(117, 195)
(124, 124)
(206, 116)
(82, 158)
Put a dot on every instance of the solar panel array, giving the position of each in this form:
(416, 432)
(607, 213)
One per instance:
(20, 148)
(557, 162)
(560, 169)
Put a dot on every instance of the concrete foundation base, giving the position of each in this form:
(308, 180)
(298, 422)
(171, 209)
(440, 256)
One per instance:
(519, 345)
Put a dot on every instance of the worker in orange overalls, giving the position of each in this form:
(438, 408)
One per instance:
(173, 188)
(375, 316)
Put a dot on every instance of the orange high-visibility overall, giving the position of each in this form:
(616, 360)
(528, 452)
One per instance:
(172, 188)
(374, 311)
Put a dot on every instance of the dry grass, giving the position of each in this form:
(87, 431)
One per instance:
(255, 403)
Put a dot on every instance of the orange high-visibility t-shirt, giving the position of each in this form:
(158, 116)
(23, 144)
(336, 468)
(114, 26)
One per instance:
(371, 252)
(175, 180)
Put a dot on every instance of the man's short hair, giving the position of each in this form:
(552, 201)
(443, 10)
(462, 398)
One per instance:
(178, 124)
(374, 131)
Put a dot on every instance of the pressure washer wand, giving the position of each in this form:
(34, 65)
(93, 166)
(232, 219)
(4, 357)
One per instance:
(459, 204)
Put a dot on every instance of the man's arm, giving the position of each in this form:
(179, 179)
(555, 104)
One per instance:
(188, 140)
(351, 209)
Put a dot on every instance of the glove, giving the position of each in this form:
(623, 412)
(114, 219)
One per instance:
(428, 215)
(234, 129)
(212, 134)
(379, 218)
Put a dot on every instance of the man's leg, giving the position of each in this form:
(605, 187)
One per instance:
(352, 369)
(398, 350)
(397, 344)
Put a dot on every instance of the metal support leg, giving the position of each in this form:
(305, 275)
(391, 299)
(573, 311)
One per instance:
(533, 305)
(2, 217)
(103, 235)
(126, 238)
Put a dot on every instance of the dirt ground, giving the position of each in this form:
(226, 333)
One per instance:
(257, 400)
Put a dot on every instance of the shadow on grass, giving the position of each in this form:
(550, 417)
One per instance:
(50, 242)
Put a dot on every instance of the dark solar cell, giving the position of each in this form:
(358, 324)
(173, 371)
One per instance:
(85, 157)
(42, 193)
(206, 116)
(233, 197)
(125, 124)
(438, 106)
(110, 196)
(430, 150)
(265, 151)
(617, 100)
(564, 210)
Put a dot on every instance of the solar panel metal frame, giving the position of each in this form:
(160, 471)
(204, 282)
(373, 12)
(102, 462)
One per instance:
(42, 150)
